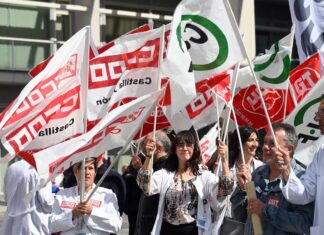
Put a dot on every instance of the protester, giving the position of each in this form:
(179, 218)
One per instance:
(113, 181)
(251, 150)
(278, 216)
(311, 185)
(20, 179)
(148, 205)
(186, 192)
(98, 216)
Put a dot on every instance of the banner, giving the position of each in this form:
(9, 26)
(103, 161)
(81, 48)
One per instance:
(54, 92)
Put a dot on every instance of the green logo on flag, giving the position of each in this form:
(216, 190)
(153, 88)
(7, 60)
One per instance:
(299, 118)
(285, 72)
(218, 35)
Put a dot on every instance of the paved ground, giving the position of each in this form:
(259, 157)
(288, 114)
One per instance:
(123, 231)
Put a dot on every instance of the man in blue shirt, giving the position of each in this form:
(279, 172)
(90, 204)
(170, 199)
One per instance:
(278, 216)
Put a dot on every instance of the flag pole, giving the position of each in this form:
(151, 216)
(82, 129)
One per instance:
(84, 88)
(121, 152)
(292, 33)
(151, 160)
(256, 220)
(242, 46)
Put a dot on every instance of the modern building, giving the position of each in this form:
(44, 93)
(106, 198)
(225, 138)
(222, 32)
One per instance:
(32, 30)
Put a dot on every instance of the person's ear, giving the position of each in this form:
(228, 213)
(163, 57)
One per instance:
(291, 149)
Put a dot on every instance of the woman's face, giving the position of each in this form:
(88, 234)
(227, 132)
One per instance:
(90, 174)
(251, 145)
(184, 151)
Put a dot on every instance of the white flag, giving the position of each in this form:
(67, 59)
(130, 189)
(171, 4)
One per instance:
(53, 95)
(308, 16)
(116, 129)
(302, 118)
(133, 51)
(272, 68)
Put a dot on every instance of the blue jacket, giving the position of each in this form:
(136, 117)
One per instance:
(279, 217)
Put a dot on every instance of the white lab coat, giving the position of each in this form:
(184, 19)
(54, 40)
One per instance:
(206, 185)
(104, 219)
(19, 180)
(310, 187)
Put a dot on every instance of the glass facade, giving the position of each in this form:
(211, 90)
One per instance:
(19, 22)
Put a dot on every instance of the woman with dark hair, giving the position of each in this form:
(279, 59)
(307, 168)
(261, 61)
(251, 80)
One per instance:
(186, 191)
(251, 148)
(252, 152)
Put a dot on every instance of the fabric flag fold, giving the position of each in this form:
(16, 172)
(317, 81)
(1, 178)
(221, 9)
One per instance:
(53, 93)
(138, 51)
(272, 68)
(113, 131)
(304, 77)
(308, 16)
(302, 118)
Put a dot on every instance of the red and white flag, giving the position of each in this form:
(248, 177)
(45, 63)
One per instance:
(304, 77)
(93, 52)
(134, 51)
(202, 110)
(249, 109)
(208, 144)
(142, 28)
(116, 129)
(50, 100)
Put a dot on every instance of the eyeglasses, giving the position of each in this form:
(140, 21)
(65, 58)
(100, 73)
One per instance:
(319, 113)
(181, 146)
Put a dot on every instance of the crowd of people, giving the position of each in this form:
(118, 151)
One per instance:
(167, 190)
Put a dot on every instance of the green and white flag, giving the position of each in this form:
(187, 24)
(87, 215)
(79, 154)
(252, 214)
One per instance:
(272, 68)
(211, 36)
(302, 118)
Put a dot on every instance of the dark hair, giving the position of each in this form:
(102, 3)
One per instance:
(322, 97)
(234, 145)
(93, 159)
(172, 163)
(291, 136)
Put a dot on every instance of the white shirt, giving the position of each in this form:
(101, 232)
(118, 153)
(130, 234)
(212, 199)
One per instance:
(104, 218)
(309, 188)
(19, 180)
(206, 185)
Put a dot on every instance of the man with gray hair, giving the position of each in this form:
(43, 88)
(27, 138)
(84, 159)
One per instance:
(148, 205)
(278, 216)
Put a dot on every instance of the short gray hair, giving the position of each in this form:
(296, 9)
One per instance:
(292, 138)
